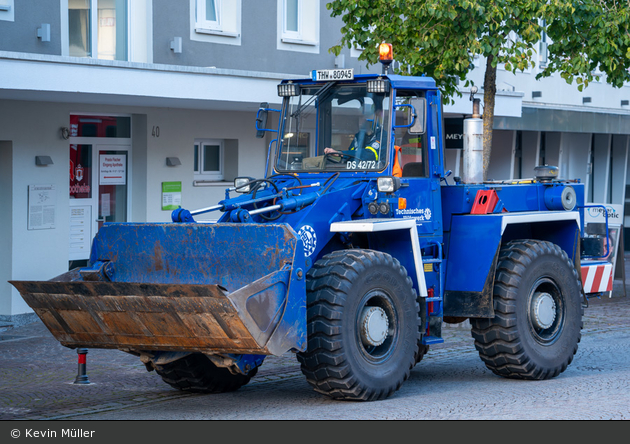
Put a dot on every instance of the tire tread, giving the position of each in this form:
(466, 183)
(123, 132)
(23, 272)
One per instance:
(497, 340)
(324, 363)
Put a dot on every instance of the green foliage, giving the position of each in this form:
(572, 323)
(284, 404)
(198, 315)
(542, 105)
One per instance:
(440, 38)
(588, 36)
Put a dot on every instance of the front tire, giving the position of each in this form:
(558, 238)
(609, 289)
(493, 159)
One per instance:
(195, 373)
(363, 326)
(538, 313)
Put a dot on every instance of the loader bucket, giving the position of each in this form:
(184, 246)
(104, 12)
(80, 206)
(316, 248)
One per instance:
(211, 288)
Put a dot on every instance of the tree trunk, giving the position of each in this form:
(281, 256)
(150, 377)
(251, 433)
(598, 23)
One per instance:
(489, 93)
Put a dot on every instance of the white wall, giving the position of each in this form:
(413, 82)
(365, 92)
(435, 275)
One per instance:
(601, 167)
(575, 156)
(178, 130)
(141, 31)
(502, 155)
(556, 91)
(32, 128)
(552, 148)
(530, 147)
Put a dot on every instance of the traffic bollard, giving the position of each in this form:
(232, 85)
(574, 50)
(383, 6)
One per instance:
(82, 377)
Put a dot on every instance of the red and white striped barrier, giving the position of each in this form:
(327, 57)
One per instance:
(597, 278)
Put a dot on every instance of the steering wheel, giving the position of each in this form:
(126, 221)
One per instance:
(256, 187)
(340, 156)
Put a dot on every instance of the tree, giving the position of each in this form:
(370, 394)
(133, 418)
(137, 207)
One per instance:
(441, 38)
(589, 35)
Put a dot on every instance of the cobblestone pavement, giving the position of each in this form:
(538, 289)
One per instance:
(37, 374)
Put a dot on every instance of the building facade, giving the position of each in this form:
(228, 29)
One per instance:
(116, 110)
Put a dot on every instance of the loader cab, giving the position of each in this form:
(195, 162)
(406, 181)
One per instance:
(334, 127)
(373, 124)
(364, 128)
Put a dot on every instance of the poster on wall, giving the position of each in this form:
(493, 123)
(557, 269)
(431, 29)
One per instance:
(171, 195)
(112, 169)
(42, 205)
(595, 216)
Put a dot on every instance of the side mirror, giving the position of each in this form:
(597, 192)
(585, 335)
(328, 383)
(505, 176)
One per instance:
(419, 108)
(261, 120)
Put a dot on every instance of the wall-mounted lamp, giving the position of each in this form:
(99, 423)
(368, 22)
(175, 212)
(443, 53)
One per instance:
(173, 161)
(625, 102)
(536, 94)
(176, 45)
(43, 33)
(43, 160)
(586, 100)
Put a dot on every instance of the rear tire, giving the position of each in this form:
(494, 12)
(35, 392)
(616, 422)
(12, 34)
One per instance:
(363, 326)
(538, 313)
(195, 373)
(421, 351)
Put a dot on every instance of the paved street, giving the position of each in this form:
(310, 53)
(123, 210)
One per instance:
(36, 375)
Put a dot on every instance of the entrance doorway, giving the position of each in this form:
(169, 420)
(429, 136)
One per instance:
(100, 170)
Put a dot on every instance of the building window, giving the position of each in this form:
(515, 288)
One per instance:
(209, 14)
(6, 10)
(291, 19)
(216, 21)
(298, 25)
(208, 159)
(98, 28)
(100, 126)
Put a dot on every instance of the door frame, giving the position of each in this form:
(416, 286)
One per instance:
(97, 144)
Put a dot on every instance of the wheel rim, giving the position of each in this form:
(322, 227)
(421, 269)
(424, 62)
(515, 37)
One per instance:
(545, 311)
(376, 322)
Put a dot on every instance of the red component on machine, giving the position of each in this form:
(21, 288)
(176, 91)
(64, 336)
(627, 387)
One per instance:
(485, 201)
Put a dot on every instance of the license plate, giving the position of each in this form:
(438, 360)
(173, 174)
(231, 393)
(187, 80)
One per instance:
(327, 75)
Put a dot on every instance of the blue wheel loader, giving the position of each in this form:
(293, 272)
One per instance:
(351, 252)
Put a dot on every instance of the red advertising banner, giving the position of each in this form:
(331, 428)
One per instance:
(80, 171)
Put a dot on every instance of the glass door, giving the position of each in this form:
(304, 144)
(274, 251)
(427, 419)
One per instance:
(99, 193)
(112, 187)
(100, 172)
(81, 203)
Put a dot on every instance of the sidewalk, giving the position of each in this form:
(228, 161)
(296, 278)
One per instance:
(37, 373)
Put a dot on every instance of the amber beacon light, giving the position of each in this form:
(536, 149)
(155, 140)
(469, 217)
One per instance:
(385, 55)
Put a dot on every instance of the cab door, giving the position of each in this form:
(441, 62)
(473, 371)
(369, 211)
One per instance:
(419, 156)
(422, 169)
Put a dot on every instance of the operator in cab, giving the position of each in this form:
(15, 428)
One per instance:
(367, 147)
(368, 141)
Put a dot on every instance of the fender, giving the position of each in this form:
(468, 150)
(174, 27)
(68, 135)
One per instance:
(412, 262)
(473, 250)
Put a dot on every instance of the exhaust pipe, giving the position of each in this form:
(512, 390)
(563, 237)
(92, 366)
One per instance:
(473, 144)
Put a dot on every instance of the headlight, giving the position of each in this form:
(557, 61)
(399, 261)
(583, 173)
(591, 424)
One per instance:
(288, 89)
(241, 184)
(378, 86)
(388, 184)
